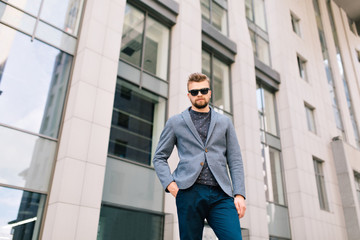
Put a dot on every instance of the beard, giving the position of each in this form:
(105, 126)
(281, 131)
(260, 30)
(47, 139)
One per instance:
(200, 104)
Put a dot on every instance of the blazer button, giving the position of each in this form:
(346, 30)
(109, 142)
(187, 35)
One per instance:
(206, 150)
(202, 163)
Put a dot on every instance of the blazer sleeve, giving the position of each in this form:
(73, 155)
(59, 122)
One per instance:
(163, 151)
(235, 162)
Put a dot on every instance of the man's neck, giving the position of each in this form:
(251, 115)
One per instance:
(204, 110)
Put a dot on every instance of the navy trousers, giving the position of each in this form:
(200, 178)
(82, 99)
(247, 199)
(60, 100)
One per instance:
(201, 202)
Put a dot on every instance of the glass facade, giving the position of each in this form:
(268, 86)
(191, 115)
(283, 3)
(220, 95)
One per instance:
(121, 223)
(255, 14)
(328, 70)
(138, 116)
(320, 184)
(21, 213)
(219, 74)
(145, 42)
(37, 40)
(215, 12)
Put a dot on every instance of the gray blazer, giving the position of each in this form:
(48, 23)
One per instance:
(221, 149)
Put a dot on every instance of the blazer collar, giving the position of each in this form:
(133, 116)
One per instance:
(187, 118)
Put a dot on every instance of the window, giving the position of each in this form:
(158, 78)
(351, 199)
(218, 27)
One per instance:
(266, 110)
(27, 81)
(21, 213)
(215, 12)
(302, 68)
(138, 117)
(295, 22)
(145, 42)
(255, 13)
(357, 185)
(219, 74)
(122, 223)
(320, 183)
(273, 175)
(358, 54)
(310, 118)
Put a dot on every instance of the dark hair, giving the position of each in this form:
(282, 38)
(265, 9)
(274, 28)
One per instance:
(197, 77)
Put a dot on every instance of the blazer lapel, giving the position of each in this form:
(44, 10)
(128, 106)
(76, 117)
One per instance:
(213, 120)
(187, 118)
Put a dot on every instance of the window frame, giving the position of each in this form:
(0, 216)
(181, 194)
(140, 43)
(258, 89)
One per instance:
(320, 184)
(295, 22)
(310, 112)
(302, 67)
(223, 5)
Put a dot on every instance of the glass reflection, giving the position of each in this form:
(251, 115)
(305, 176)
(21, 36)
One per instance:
(221, 85)
(156, 48)
(33, 81)
(30, 6)
(132, 38)
(219, 18)
(29, 167)
(137, 119)
(64, 14)
(21, 213)
(121, 223)
(205, 10)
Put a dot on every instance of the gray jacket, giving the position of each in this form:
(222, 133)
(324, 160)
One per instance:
(221, 149)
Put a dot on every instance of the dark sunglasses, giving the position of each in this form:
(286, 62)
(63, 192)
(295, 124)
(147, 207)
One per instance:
(195, 92)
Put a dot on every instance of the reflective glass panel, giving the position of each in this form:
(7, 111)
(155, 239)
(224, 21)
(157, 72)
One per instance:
(219, 18)
(33, 81)
(21, 213)
(26, 160)
(30, 6)
(262, 50)
(17, 19)
(205, 9)
(276, 177)
(270, 115)
(221, 85)
(64, 14)
(310, 119)
(156, 48)
(320, 183)
(132, 36)
(122, 223)
(249, 10)
(138, 117)
(206, 63)
(259, 11)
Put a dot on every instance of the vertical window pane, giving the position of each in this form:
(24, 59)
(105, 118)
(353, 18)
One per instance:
(295, 22)
(270, 118)
(320, 183)
(310, 119)
(132, 37)
(221, 85)
(26, 160)
(33, 81)
(357, 185)
(156, 48)
(64, 14)
(121, 223)
(205, 9)
(262, 50)
(253, 41)
(249, 10)
(21, 213)
(137, 119)
(219, 18)
(276, 177)
(206, 63)
(259, 11)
